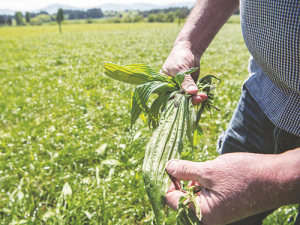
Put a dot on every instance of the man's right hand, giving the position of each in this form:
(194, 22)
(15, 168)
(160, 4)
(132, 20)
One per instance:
(181, 59)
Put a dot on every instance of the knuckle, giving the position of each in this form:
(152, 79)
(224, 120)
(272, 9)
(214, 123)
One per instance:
(187, 80)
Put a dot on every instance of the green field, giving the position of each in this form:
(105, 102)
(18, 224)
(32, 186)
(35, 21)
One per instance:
(67, 154)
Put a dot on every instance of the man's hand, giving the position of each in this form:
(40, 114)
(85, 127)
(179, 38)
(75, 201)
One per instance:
(238, 185)
(180, 60)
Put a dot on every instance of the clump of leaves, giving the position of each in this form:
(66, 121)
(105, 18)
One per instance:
(185, 215)
(172, 116)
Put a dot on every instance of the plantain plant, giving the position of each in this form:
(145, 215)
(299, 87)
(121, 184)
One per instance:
(171, 116)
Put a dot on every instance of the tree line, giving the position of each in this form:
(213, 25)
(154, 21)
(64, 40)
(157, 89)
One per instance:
(155, 15)
(80, 14)
(6, 20)
(27, 17)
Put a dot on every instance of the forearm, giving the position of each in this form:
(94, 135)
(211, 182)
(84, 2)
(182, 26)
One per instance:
(287, 175)
(204, 22)
(272, 180)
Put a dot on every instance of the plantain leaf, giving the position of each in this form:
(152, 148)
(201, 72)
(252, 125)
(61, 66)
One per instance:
(191, 121)
(145, 69)
(200, 111)
(207, 79)
(140, 97)
(179, 78)
(159, 103)
(166, 87)
(126, 74)
(189, 71)
(198, 134)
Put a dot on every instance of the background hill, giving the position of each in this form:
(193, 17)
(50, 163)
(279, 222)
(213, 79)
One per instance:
(51, 9)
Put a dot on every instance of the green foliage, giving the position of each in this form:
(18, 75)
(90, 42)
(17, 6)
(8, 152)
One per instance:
(151, 18)
(169, 17)
(60, 17)
(2, 20)
(19, 19)
(159, 17)
(62, 121)
(89, 21)
(40, 19)
(27, 15)
(138, 18)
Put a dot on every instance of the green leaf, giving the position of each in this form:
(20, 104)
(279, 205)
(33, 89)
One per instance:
(198, 134)
(179, 78)
(140, 97)
(158, 106)
(167, 87)
(67, 189)
(191, 121)
(101, 149)
(191, 70)
(88, 215)
(165, 144)
(200, 111)
(126, 74)
(207, 80)
(145, 69)
(134, 73)
(111, 162)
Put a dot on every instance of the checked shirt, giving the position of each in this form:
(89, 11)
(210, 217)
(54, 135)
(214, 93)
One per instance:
(271, 32)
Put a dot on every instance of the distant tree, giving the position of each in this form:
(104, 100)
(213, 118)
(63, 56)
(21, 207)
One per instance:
(181, 14)
(169, 17)
(60, 18)
(138, 18)
(27, 15)
(43, 12)
(19, 18)
(2, 21)
(72, 15)
(94, 13)
(9, 21)
(151, 18)
(160, 17)
(127, 19)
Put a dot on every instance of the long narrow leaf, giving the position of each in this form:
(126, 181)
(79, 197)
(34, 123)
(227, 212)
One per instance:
(179, 78)
(191, 121)
(126, 74)
(140, 97)
(158, 103)
(207, 79)
(145, 69)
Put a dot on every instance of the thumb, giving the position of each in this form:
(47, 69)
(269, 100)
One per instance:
(185, 170)
(189, 85)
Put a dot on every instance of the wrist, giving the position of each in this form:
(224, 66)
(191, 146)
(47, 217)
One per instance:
(182, 43)
(287, 176)
(278, 180)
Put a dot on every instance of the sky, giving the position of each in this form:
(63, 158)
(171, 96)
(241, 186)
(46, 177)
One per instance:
(31, 5)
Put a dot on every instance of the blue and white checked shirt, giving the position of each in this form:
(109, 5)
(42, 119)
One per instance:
(271, 32)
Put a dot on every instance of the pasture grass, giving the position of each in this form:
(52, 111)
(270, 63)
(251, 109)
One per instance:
(67, 154)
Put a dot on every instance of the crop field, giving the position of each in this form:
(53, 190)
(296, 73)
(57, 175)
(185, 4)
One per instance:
(67, 153)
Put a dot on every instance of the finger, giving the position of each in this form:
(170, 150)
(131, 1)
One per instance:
(172, 199)
(184, 170)
(175, 185)
(194, 183)
(198, 98)
(189, 86)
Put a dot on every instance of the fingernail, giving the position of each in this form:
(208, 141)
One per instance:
(171, 167)
(191, 88)
(197, 98)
